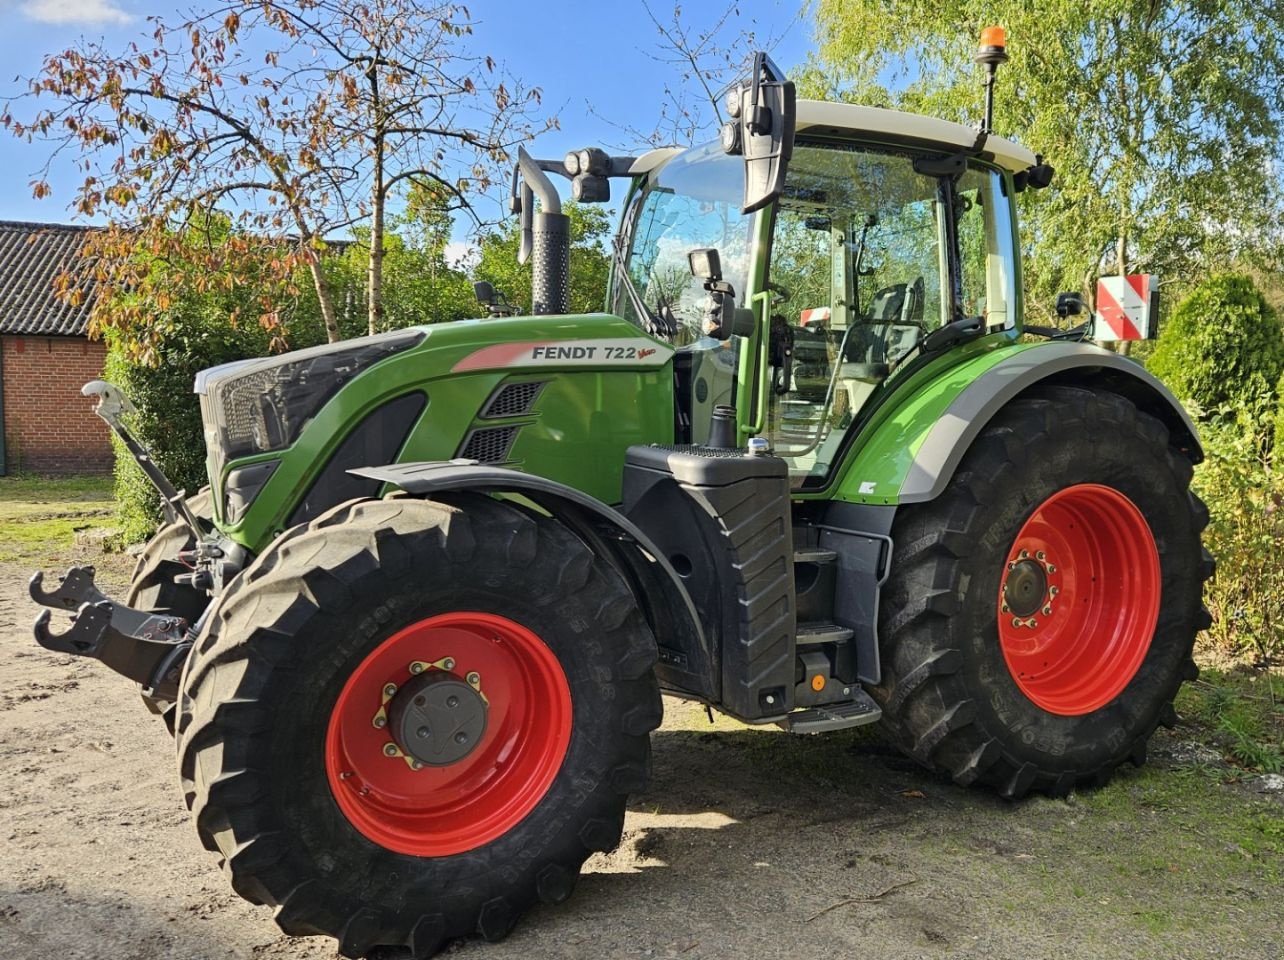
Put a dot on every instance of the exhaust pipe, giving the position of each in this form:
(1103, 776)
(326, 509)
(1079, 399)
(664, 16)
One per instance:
(551, 241)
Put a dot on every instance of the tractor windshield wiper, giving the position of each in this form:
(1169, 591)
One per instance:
(658, 325)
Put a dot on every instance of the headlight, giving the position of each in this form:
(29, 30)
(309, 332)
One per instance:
(257, 406)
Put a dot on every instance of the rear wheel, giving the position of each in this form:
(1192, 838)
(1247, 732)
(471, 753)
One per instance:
(408, 722)
(1040, 614)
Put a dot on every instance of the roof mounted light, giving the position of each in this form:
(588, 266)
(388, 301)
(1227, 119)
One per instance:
(992, 52)
(994, 46)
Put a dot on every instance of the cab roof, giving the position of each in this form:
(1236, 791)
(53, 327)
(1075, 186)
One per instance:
(821, 117)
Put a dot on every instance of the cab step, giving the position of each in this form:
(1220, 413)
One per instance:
(814, 555)
(813, 633)
(836, 716)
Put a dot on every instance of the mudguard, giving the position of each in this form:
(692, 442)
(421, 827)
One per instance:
(659, 590)
(928, 433)
(1075, 363)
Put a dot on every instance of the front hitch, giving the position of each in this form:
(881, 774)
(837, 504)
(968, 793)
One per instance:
(144, 647)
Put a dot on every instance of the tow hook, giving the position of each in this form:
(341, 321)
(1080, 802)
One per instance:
(144, 647)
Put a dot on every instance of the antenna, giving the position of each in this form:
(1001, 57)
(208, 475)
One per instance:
(992, 52)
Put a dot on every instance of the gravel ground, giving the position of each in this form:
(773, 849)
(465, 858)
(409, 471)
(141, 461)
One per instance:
(748, 844)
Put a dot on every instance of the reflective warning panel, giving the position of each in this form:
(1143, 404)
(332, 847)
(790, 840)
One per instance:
(1127, 308)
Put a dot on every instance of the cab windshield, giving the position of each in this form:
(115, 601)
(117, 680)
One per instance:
(692, 202)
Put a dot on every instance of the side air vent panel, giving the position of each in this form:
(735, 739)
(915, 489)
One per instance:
(489, 445)
(512, 400)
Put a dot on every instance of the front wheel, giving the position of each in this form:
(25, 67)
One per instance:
(409, 722)
(1040, 614)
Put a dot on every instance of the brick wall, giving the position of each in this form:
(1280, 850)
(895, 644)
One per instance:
(48, 426)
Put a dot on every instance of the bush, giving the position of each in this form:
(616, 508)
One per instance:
(1222, 346)
(169, 419)
(1244, 491)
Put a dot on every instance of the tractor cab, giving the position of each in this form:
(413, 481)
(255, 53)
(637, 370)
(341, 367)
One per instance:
(891, 239)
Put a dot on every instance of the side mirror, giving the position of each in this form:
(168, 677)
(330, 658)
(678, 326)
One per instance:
(765, 114)
(1069, 305)
(705, 264)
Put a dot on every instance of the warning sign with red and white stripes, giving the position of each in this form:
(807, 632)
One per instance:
(1127, 307)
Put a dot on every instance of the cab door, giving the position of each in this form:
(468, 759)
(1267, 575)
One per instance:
(863, 267)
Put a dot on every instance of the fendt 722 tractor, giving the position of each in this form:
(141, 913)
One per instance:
(803, 468)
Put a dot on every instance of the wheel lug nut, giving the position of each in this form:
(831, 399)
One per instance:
(1040, 555)
(1017, 622)
(1052, 568)
(390, 750)
(1047, 611)
(380, 722)
(449, 663)
(473, 678)
(1024, 554)
(452, 701)
(416, 765)
(1053, 591)
(389, 689)
(416, 668)
(423, 733)
(1006, 608)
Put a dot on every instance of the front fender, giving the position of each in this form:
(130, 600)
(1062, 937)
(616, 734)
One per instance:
(685, 654)
(939, 433)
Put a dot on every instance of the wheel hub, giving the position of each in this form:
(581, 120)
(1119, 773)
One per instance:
(437, 719)
(1026, 588)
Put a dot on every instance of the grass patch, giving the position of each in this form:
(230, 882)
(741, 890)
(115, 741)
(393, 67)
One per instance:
(1240, 713)
(40, 516)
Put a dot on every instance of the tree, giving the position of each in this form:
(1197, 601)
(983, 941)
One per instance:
(298, 118)
(590, 265)
(704, 60)
(1162, 118)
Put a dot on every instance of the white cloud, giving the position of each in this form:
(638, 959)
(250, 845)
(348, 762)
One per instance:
(460, 255)
(75, 12)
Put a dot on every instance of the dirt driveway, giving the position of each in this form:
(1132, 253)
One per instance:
(749, 844)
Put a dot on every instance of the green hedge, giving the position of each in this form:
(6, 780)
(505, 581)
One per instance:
(169, 419)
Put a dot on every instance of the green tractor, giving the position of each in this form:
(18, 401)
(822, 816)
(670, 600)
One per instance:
(803, 468)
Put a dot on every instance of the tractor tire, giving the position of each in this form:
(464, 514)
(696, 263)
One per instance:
(1040, 614)
(290, 706)
(152, 586)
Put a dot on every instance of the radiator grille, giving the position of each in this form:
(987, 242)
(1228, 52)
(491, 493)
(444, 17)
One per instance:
(512, 400)
(489, 445)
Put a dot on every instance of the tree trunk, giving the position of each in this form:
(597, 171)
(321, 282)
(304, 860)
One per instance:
(1124, 347)
(375, 285)
(377, 196)
(325, 297)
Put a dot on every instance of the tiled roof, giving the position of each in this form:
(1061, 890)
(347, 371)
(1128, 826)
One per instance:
(31, 256)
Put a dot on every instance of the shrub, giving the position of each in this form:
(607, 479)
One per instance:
(169, 420)
(1244, 491)
(1221, 346)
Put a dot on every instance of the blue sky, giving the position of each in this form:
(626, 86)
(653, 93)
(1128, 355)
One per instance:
(574, 51)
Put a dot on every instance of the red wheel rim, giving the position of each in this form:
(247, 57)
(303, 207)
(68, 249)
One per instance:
(438, 811)
(1079, 599)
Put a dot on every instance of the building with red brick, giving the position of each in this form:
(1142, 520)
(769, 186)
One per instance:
(45, 357)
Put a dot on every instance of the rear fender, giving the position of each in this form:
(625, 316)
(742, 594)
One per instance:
(939, 434)
(685, 655)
